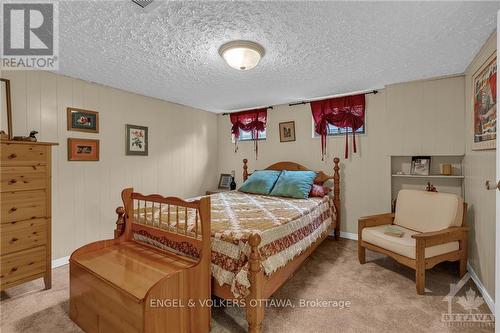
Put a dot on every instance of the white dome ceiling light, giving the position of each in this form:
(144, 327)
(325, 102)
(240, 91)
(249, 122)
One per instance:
(242, 54)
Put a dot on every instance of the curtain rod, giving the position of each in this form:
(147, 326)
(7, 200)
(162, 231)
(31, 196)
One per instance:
(340, 95)
(318, 99)
(228, 113)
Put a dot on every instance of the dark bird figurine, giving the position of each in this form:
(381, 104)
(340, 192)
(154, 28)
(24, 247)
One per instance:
(32, 136)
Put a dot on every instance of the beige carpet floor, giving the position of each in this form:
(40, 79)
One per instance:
(381, 292)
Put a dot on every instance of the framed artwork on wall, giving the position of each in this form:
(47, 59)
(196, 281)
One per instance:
(137, 140)
(287, 131)
(484, 83)
(83, 149)
(82, 120)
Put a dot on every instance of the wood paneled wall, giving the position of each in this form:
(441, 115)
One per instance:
(182, 157)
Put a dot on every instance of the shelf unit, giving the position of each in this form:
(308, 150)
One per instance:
(428, 176)
(448, 184)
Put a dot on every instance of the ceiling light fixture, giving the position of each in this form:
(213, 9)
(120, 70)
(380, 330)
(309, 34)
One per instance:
(242, 54)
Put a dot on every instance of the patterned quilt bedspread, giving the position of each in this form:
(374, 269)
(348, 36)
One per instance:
(287, 227)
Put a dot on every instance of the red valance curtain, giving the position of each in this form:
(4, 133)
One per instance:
(253, 121)
(345, 112)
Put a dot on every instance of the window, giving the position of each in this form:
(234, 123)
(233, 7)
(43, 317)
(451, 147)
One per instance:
(334, 130)
(247, 136)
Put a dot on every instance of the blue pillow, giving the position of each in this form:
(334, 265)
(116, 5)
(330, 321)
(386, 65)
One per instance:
(260, 182)
(294, 184)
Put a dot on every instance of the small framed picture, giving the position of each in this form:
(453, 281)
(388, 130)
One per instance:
(420, 165)
(83, 149)
(225, 181)
(137, 140)
(287, 131)
(82, 120)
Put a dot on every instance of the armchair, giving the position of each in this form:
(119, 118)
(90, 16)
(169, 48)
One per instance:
(433, 226)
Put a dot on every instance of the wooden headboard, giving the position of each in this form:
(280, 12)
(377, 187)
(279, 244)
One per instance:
(321, 177)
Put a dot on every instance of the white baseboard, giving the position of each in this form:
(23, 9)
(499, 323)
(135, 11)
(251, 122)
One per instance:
(60, 262)
(486, 296)
(348, 235)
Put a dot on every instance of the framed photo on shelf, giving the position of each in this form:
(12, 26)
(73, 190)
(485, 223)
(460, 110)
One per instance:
(83, 149)
(420, 165)
(136, 140)
(82, 120)
(287, 131)
(484, 83)
(225, 181)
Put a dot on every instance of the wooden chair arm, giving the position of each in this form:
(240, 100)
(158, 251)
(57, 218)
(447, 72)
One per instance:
(442, 236)
(374, 220)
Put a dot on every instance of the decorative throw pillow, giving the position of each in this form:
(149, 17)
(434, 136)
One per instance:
(294, 184)
(260, 182)
(319, 191)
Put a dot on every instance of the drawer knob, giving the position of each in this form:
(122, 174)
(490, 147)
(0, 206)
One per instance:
(12, 181)
(11, 156)
(13, 209)
(13, 269)
(13, 240)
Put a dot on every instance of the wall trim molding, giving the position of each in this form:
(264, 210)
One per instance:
(60, 262)
(486, 296)
(349, 235)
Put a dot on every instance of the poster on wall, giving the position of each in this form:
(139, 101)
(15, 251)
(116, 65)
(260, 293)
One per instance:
(485, 109)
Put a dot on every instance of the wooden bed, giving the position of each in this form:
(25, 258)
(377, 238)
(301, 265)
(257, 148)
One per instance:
(262, 286)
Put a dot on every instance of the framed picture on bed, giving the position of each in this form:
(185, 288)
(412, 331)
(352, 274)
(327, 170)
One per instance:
(137, 140)
(287, 131)
(484, 83)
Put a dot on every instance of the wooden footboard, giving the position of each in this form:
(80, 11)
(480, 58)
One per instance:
(141, 281)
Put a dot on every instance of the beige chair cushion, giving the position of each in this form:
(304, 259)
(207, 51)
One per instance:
(428, 211)
(404, 245)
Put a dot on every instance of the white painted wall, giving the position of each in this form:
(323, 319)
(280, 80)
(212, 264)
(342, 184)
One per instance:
(182, 157)
(421, 117)
(479, 166)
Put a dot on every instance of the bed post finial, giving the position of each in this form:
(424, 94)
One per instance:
(245, 169)
(336, 194)
(254, 304)
(128, 207)
(120, 222)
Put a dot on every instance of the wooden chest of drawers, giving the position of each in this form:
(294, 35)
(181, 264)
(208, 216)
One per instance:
(25, 210)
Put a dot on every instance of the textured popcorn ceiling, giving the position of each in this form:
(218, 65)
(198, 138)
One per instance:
(313, 49)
